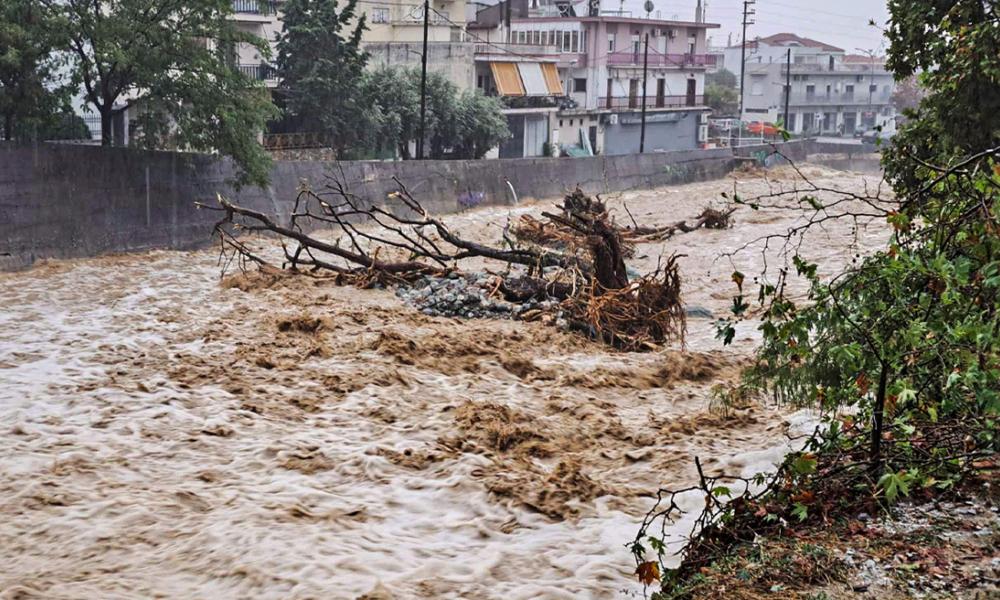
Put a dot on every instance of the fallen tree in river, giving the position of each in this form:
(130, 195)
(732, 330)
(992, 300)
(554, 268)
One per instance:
(576, 258)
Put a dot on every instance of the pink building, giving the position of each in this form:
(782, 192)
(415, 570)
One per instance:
(599, 58)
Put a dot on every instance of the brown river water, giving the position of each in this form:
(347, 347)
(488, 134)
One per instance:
(164, 433)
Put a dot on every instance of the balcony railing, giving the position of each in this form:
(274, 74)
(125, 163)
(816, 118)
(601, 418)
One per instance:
(662, 60)
(263, 8)
(260, 72)
(517, 49)
(840, 68)
(858, 97)
(625, 102)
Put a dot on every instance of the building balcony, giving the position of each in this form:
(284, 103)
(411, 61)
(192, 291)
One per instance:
(513, 51)
(635, 59)
(259, 72)
(262, 8)
(652, 102)
(838, 69)
(858, 98)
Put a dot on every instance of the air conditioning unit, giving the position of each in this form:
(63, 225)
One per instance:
(612, 119)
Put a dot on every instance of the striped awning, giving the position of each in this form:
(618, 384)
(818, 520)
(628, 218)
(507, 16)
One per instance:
(532, 78)
(526, 79)
(507, 78)
(552, 81)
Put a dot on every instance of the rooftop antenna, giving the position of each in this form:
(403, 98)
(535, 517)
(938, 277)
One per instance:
(698, 12)
(649, 6)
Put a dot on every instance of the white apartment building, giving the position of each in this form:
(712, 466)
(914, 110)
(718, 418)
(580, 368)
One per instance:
(394, 36)
(832, 92)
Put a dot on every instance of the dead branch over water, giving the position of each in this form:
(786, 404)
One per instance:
(575, 257)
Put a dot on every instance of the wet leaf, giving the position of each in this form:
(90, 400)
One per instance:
(648, 572)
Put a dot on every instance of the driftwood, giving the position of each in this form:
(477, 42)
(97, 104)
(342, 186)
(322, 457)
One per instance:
(577, 256)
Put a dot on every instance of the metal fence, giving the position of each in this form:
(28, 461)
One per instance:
(260, 72)
(263, 8)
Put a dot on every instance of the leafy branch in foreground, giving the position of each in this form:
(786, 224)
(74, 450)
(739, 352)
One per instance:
(905, 340)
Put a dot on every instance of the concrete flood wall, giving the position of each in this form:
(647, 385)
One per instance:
(63, 201)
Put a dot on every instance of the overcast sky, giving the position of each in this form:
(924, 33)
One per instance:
(843, 23)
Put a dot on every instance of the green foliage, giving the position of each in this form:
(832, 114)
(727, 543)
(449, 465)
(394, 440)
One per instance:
(721, 92)
(321, 69)
(458, 125)
(172, 61)
(919, 317)
(32, 94)
(722, 78)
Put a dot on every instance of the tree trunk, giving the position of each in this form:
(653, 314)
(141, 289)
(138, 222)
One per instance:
(107, 136)
(878, 414)
(8, 126)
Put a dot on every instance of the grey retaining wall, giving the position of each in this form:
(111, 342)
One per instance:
(60, 201)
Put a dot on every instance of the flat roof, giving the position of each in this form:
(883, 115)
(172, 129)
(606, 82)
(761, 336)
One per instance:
(614, 19)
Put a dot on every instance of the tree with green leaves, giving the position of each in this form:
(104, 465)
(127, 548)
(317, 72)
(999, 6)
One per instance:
(321, 67)
(459, 124)
(910, 335)
(30, 88)
(171, 61)
(720, 92)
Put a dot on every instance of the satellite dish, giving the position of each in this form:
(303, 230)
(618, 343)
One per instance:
(649, 7)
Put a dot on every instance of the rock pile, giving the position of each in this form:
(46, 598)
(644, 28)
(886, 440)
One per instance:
(474, 296)
(458, 295)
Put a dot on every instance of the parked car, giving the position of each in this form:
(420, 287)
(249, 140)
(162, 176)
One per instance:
(760, 128)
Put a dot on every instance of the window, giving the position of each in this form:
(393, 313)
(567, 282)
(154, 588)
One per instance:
(560, 122)
(849, 91)
(611, 42)
(859, 78)
(580, 85)
(756, 89)
(575, 45)
(380, 15)
(872, 88)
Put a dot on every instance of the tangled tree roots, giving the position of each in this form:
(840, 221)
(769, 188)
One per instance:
(640, 315)
(576, 256)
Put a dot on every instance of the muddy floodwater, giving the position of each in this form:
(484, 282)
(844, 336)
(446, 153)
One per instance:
(164, 433)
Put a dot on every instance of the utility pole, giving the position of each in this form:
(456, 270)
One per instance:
(747, 14)
(645, 70)
(788, 84)
(423, 84)
(507, 12)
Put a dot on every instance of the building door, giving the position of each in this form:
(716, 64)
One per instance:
(807, 123)
(829, 121)
(790, 125)
(514, 147)
(592, 134)
(661, 93)
(633, 93)
(850, 123)
(692, 87)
